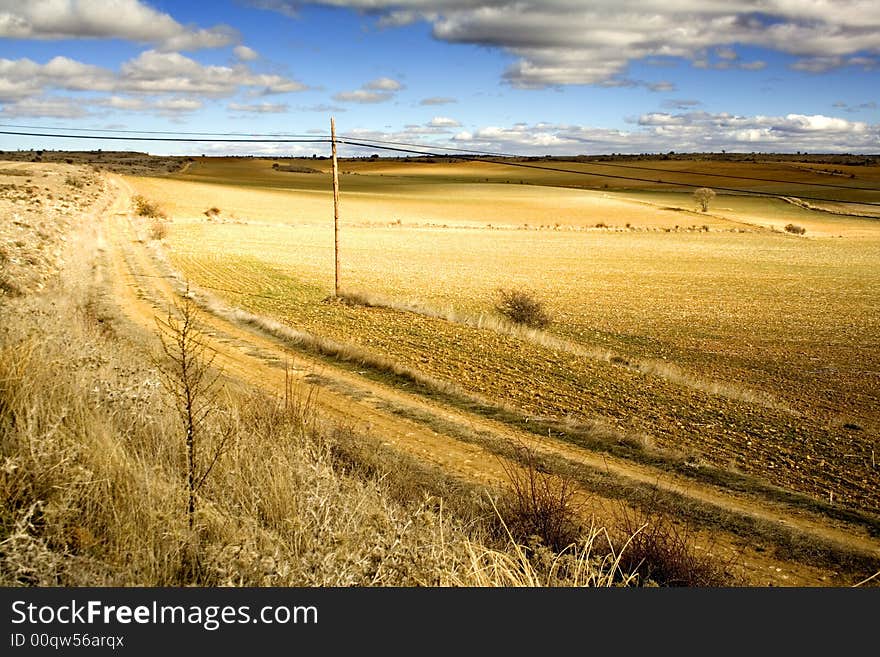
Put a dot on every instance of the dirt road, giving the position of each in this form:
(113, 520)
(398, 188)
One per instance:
(454, 439)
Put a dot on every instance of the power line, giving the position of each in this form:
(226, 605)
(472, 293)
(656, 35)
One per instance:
(633, 166)
(277, 137)
(471, 157)
(162, 132)
(602, 175)
(181, 139)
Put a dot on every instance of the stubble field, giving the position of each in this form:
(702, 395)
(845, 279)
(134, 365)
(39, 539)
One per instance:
(712, 342)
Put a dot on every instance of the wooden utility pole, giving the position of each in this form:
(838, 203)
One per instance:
(335, 205)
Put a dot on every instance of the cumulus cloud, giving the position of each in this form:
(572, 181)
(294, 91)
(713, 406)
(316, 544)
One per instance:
(379, 90)
(169, 107)
(161, 82)
(655, 132)
(717, 131)
(44, 107)
(175, 105)
(660, 132)
(105, 19)
(161, 72)
(21, 78)
(443, 122)
(245, 54)
(562, 42)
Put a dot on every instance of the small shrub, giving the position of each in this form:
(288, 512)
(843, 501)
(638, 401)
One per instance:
(538, 504)
(212, 212)
(147, 208)
(795, 229)
(522, 307)
(74, 182)
(662, 552)
(158, 230)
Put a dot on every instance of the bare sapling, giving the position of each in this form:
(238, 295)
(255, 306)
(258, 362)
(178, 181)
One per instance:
(187, 374)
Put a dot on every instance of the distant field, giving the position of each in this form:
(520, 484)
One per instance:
(792, 322)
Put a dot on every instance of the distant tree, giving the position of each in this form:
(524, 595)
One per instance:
(703, 196)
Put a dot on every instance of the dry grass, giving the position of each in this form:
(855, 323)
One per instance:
(93, 492)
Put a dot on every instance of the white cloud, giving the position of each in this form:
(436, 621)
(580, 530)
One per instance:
(169, 107)
(383, 84)
(259, 108)
(379, 90)
(823, 64)
(176, 84)
(45, 107)
(160, 72)
(363, 96)
(22, 78)
(562, 42)
(105, 19)
(175, 105)
(443, 122)
(245, 54)
(656, 132)
(124, 103)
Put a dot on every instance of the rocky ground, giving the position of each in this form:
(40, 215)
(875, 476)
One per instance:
(38, 203)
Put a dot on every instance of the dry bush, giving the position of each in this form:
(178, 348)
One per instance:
(144, 207)
(522, 307)
(158, 230)
(795, 229)
(703, 197)
(662, 552)
(538, 504)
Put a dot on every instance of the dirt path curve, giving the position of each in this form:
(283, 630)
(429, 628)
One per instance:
(142, 292)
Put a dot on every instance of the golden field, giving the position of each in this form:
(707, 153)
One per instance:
(716, 335)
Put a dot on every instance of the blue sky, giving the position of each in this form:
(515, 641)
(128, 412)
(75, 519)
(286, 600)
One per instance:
(531, 77)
